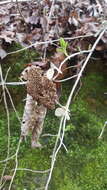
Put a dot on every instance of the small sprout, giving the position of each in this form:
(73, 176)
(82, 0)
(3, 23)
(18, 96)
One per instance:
(63, 43)
(63, 46)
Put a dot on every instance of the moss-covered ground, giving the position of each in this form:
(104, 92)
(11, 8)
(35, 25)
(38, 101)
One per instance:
(84, 166)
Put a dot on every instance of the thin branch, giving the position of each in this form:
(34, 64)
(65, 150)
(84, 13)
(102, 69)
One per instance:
(62, 144)
(46, 42)
(12, 83)
(83, 67)
(13, 105)
(16, 164)
(48, 135)
(33, 171)
(54, 154)
(77, 90)
(69, 57)
(63, 120)
(18, 7)
(8, 122)
(7, 159)
(66, 79)
(101, 134)
(12, 1)
(56, 149)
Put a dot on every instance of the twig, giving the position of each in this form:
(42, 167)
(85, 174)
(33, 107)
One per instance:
(63, 145)
(69, 57)
(66, 79)
(56, 149)
(7, 159)
(46, 42)
(8, 122)
(33, 171)
(54, 155)
(101, 134)
(6, 78)
(12, 83)
(13, 105)
(83, 67)
(48, 135)
(63, 120)
(20, 11)
(77, 90)
(16, 164)
(12, 1)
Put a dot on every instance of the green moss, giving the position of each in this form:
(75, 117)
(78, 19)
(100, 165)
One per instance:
(83, 167)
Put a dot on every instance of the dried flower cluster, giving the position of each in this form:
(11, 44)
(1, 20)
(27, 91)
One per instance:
(41, 94)
(41, 88)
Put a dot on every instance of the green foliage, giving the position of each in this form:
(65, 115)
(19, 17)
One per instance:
(69, 127)
(63, 46)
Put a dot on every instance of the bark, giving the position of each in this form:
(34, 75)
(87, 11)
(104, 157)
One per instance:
(39, 114)
(33, 119)
(27, 116)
